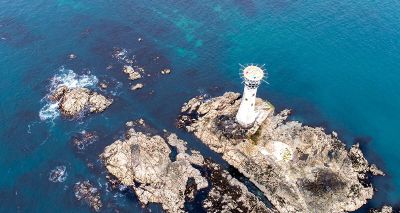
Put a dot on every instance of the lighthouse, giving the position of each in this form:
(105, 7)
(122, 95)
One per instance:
(252, 76)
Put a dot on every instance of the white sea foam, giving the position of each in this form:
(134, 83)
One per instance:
(49, 111)
(70, 79)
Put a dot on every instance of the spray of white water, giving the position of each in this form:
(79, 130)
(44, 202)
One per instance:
(70, 79)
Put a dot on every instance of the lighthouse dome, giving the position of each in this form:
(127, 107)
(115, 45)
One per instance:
(253, 73)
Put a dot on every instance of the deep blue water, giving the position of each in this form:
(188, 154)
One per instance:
(335, 63)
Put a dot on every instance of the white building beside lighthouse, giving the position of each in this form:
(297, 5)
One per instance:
(252, 76)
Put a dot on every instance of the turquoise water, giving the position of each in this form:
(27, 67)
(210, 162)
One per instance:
(335, 63)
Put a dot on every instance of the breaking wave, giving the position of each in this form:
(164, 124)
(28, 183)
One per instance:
(70, 79)
(58, 174)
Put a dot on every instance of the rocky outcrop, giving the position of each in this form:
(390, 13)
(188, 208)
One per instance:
(98, 103)
(132, 73)
(137, 86)
(74, 101)
(299, 168)
(143, 162)
(165, 71)
(87, 192)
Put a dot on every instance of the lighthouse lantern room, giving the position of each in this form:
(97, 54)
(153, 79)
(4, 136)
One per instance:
(252, 76)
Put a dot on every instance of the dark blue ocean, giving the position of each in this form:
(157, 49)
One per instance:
(335, 63)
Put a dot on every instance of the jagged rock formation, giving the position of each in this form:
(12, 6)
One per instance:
(299, 168)
(73, 101)
(142, 162)
(145, 160)
(229, 195)
(87, 192)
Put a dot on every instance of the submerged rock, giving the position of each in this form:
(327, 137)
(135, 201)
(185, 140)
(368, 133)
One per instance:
(74, 101)
(103, 85)
(299, 168)
(91, 195)
(83, 140)
(58, 174)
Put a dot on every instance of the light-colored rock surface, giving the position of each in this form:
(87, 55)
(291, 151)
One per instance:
(299, 168)
(132, 73)
(98, 103)
(375, 170)
(145, 160)
(165, 71)
(73, 102)
(137, 86)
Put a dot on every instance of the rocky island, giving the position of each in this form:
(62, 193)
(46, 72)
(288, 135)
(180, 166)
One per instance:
(298, 168)
(74, 101)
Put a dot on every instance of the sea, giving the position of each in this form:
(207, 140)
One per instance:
(335, 63)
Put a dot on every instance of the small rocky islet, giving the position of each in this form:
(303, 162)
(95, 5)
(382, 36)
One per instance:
(74, 101)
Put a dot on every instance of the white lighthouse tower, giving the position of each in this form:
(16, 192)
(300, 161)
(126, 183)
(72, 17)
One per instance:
(252, 76)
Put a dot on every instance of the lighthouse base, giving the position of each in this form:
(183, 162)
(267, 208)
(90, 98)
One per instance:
(246, 123)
